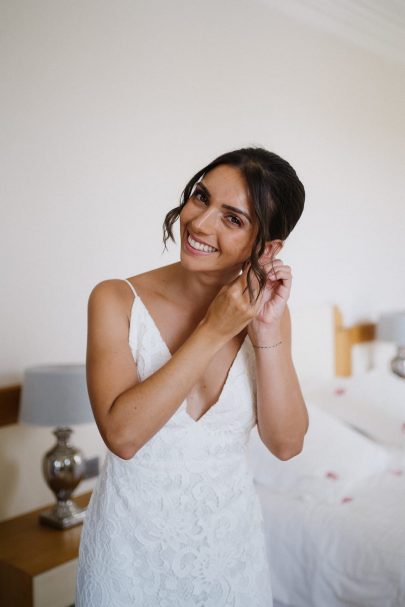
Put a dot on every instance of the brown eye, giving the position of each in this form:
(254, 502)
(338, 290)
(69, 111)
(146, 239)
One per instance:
(200, 195)
(238, 221)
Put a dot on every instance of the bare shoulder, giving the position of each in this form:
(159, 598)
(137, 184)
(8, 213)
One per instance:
(112, 293)
(154, 282)
(116, 294)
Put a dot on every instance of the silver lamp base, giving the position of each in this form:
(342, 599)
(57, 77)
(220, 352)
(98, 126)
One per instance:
(398, 362)
(63, 467)
(63, 515)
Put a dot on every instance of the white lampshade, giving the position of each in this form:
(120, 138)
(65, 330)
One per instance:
(55, 395)
(391, 327)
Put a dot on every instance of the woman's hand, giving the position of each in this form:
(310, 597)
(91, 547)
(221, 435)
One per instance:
(273, 299)
(231, 311)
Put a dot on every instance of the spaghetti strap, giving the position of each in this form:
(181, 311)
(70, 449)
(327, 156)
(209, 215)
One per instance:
(132, 288)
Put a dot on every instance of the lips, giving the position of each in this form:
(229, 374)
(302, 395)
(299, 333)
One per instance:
(200, 241)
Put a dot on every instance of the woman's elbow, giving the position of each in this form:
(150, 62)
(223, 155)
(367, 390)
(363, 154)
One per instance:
(123, 452)
(285, 451)
(119, 446)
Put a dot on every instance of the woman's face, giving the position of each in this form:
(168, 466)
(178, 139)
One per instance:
(220, 215)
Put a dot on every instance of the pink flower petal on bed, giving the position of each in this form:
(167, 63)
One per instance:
(397, 472)
(346, 499)
(332, 475)
(339, 391)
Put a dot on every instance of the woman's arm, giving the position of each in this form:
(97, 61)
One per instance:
(282, 417)
(128, 412)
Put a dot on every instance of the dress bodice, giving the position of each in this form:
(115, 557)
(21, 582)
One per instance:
(223, 430)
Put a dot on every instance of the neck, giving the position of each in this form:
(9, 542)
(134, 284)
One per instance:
(199, 286)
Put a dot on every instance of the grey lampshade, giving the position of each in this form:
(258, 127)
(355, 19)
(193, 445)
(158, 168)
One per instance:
(55, 395)
(391, 327)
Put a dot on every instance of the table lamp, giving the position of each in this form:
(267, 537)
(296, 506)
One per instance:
(391, 327)
(56, 395)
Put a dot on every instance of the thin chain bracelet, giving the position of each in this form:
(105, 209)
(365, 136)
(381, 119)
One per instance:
(272, 346)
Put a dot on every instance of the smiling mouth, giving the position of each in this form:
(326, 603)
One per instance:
(198, 246)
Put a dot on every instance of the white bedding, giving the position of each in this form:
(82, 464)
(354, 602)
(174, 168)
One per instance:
(373, 402)
(334, 518)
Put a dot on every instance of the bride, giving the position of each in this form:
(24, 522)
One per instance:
(182, 362)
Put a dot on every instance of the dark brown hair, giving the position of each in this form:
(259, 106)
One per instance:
(276, 193)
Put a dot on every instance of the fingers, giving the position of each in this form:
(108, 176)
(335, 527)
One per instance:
(274, 268)
(240, 283)
(241, 278)
(279, 277)
(277, 270)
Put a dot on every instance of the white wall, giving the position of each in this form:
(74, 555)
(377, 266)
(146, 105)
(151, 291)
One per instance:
(109, 107)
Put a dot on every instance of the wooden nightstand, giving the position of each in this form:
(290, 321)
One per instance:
(38, 563)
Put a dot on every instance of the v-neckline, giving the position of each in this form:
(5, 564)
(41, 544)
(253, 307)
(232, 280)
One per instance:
(195, 421)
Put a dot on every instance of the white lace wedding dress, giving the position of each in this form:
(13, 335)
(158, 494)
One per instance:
(180, 523)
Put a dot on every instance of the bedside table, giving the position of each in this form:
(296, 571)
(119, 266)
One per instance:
(37, 563)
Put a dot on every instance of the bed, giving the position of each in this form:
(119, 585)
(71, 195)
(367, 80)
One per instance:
(334, 516)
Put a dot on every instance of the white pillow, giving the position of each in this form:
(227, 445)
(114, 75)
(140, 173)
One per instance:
(373, 402)
(333, 459)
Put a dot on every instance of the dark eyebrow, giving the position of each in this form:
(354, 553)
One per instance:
(225, 206)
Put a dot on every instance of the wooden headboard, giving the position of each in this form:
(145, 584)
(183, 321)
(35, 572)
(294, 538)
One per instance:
(344, 338)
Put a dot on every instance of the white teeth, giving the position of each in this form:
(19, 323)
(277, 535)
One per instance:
(200, 247)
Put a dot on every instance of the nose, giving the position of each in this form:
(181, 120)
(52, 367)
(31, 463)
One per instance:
(206, 221)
